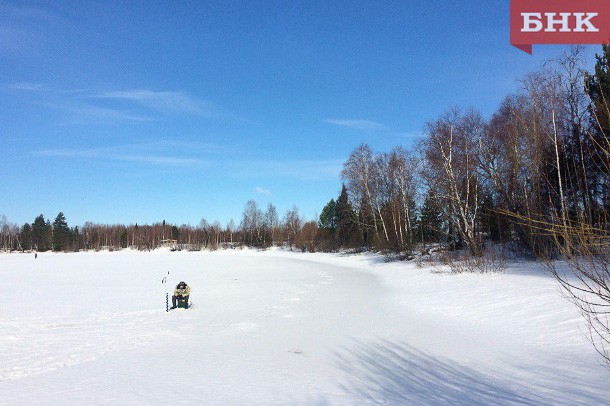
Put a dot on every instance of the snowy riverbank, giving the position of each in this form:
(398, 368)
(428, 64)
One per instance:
(277, 327)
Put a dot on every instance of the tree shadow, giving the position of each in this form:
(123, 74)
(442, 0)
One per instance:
(389, 373)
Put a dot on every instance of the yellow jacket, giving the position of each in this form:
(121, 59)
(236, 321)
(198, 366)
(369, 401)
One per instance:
(186, 291)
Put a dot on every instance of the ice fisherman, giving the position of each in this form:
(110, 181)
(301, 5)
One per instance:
(181, 293)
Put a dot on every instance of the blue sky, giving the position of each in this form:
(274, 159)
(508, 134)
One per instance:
(139, 111)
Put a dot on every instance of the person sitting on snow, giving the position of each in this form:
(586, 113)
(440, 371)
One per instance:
(181, 293)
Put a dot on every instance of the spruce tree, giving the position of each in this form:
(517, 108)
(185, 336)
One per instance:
(40, 234)
(61, 233)
(328, 218)
(26, 237)
(347, 228)
(597, 86)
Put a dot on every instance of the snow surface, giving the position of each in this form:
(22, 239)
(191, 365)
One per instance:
(277, 327)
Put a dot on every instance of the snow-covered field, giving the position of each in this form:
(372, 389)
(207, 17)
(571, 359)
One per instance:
(285, 328)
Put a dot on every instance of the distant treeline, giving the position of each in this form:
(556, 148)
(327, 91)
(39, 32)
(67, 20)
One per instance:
(256, 229)
(539, 166)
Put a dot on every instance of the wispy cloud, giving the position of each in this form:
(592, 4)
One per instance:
(42, 89)
(24, 86)
(262, 191)
(167, 102)
(363, 125)
(177, 144)
(178, 154)
(108, 155)
(135, 105)
(85, 112)
(72, 105)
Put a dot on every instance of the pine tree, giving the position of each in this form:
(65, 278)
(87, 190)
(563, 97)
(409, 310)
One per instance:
(61, 233)
(328, 218)
(41, 234)
(347, 228)
(26, 237)
(597, 86)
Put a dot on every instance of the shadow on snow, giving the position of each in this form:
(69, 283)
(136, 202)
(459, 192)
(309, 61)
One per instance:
(389, 373)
